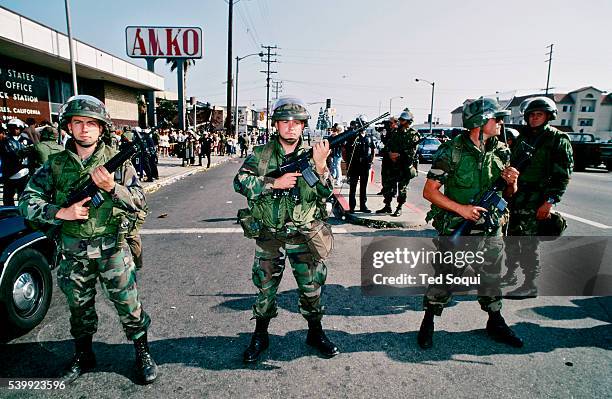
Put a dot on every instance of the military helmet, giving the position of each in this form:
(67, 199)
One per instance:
(48, 133)
(539, 103)
(478, 112)
(406, 115)
(83, 105)
(290, 108)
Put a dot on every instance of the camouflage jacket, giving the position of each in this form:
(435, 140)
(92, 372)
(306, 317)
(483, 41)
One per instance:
(42, 150)
(404, 142)
(275, 208)
(549, 171)
(51, 184)
(466, 173)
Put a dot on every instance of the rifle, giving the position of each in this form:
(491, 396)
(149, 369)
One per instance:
(490, 200)
(87, 188)
(301, 163)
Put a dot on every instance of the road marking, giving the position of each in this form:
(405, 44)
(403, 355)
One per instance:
(585, 221)
(213, 230)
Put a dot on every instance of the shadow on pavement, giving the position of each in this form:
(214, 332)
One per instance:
(338, 301)
(46, 359)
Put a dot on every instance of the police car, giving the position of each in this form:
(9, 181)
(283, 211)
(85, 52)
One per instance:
(26, 260)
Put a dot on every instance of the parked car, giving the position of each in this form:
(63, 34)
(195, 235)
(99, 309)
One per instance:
(26, 260)
(588, 152)
(427, 148)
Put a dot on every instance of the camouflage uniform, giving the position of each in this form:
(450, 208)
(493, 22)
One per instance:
(398, 174)
(545, 178)
(95, 248)
(46, 146)
(283, 216)
(467, 173)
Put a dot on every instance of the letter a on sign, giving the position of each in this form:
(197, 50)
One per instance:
(163, 42)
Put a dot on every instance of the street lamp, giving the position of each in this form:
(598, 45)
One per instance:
(433, 87)
(391, 100)
(261, 54)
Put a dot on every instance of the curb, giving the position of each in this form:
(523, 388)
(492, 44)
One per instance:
(172, 179)
(341, 213)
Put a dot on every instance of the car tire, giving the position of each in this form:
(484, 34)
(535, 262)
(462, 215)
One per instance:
(26, 290)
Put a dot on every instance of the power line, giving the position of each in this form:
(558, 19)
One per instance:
(549, 65)
(278, 88)
(268, 72)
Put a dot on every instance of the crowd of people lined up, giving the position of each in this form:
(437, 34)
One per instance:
(25, 146)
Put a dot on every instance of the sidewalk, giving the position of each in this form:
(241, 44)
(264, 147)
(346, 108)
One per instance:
(413, 212)
(170, 170)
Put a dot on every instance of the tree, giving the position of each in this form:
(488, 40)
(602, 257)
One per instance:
(188, 63)
(166, 111)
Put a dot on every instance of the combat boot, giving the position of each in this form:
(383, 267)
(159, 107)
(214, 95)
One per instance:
(509, 279)
(525, 291)
(425, 335)
(84, 360)
(316, 338)
(385, 209)
(259, 341)
(398, 211)
(499, 331)
(145, 365)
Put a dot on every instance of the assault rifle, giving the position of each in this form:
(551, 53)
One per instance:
(301, 163)
(492, 201)
(87, 187)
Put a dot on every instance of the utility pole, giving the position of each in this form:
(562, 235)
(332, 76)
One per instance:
(228, 119)
(75, 89)
(278, 88)
(268, 72)
(549, 64)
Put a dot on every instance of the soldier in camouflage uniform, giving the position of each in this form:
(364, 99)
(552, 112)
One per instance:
(467, 166)
(542, 185)
(401, 151)
(45, 147)
(291, 218)
(91, 240)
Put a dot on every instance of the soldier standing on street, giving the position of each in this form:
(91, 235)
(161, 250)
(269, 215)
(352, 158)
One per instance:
(92, 240)
(542, 184)
(401, 152)
(286, 213)
(467, 166)
(45, 147)
(359, 157)
(389, 129)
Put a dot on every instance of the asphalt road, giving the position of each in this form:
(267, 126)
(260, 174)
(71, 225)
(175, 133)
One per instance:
(196, 286)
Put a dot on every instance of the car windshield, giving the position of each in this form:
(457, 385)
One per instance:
(431, 142)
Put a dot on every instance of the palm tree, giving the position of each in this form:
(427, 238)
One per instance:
(187, 63)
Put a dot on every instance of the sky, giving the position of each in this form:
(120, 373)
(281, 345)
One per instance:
(365, 54)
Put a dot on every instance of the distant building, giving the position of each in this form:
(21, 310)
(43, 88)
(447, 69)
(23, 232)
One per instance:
(35, 77)
(587, 109)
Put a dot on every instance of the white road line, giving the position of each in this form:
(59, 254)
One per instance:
(585, 221)
(213, 230)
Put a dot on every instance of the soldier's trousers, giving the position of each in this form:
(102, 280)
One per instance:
(394, 185)
(77, 275)
(268, 269)
(135, 244)
(489, 293)
(523, 251)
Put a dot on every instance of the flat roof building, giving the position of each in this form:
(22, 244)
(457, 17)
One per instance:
(35, 73)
